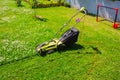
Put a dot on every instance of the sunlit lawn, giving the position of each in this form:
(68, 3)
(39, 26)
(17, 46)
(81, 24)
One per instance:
(94, 57)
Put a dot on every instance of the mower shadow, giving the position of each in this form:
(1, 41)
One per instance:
(41, 19)
(74, 47)
(80, 47)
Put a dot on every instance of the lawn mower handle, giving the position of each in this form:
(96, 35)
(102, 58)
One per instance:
(83, 10)
(80, 10)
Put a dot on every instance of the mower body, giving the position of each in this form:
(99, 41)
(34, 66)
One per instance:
(66, 40)
(48, 47)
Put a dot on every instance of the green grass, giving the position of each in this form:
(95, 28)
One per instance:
(94, 57)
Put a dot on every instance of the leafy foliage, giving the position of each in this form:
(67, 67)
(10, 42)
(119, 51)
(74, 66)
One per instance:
(19, 2)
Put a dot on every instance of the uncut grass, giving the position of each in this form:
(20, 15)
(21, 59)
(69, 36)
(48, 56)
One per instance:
(22, 34)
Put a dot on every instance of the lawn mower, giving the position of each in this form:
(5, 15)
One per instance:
(67, 39)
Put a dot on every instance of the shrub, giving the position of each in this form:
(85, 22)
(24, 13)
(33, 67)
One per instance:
(67, 4)
(35, 4)
(18, 2)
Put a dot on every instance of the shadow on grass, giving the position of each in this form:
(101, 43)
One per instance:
(78, 48)
(40, 18)
(20, 5)
(82, 48)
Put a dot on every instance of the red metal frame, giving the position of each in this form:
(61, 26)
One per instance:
(116, 12)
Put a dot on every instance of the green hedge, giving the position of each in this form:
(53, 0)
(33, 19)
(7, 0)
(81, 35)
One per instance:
(45, 5)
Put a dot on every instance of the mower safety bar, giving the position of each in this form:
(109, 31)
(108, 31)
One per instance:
(83, 10)
(80, 10)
